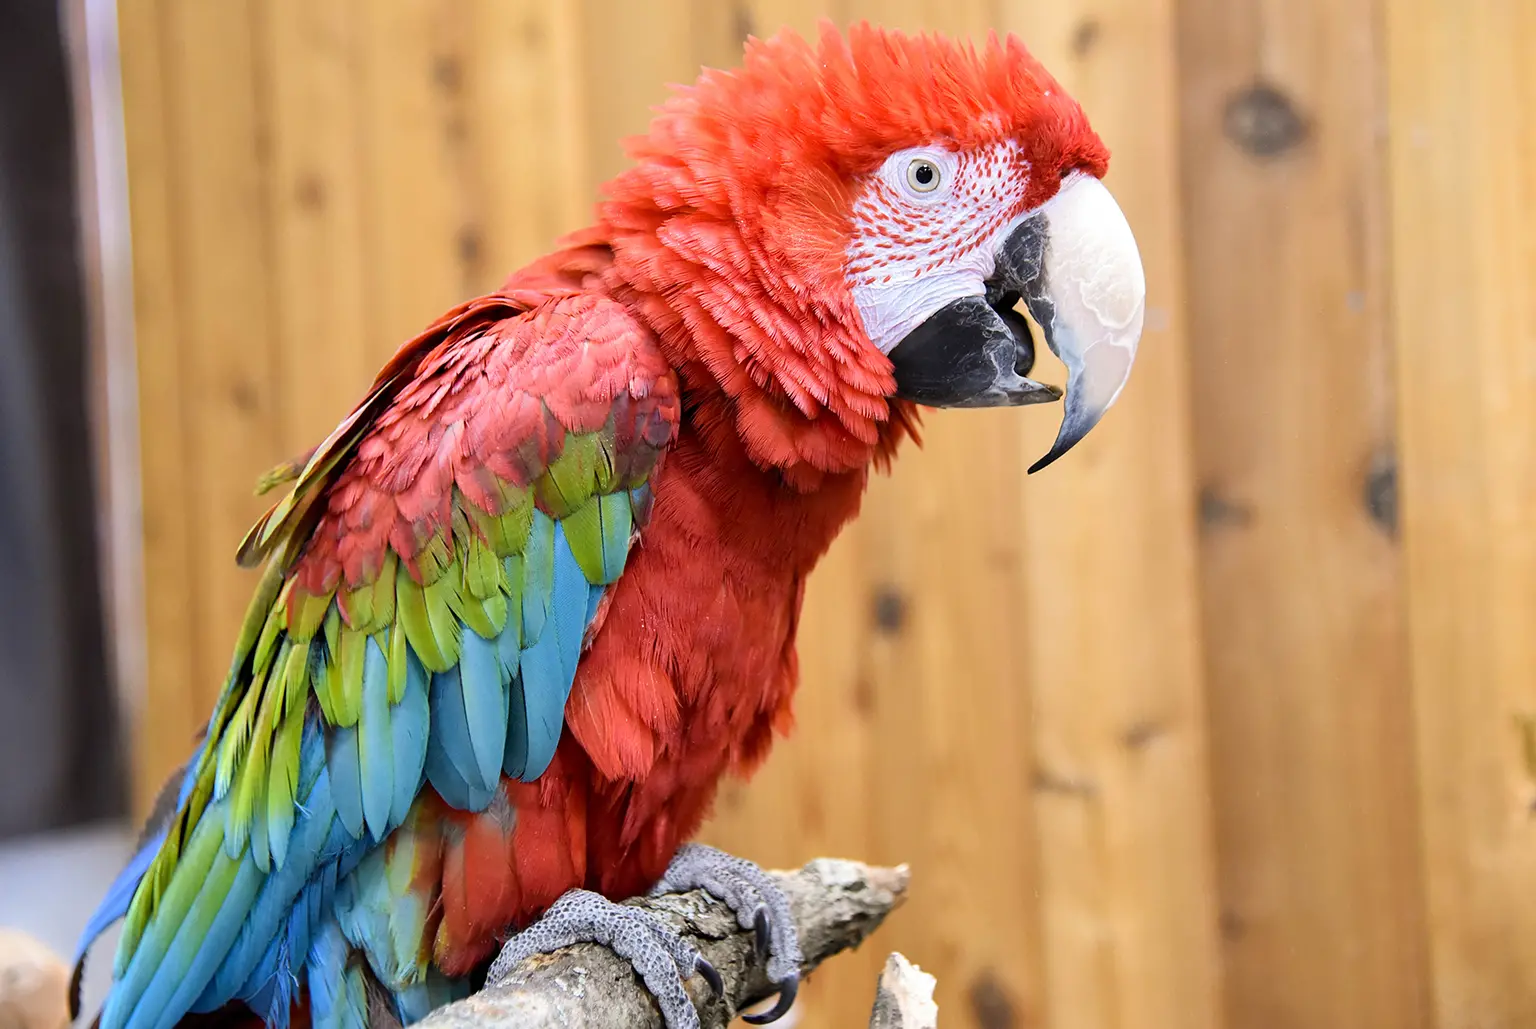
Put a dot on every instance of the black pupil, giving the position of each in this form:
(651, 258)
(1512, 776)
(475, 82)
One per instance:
(923, 174)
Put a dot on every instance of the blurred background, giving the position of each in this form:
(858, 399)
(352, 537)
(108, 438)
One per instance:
(1226, 721)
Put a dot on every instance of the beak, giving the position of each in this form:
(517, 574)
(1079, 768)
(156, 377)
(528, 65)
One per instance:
(1074, 264)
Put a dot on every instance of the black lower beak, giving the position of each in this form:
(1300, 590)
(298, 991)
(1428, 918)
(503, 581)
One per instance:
(976, 351)
(970, 353)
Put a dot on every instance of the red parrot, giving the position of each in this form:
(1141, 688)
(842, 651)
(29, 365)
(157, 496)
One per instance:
(537, 593)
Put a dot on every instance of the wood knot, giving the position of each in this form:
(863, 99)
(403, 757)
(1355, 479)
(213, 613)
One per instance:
(890, 610)
(864, 695)
(1086, 36)
(1218, 512)
(470, 244)
(309, 192)
(1263, 121)
(1141, 734)
(1380, 491)
(1047, 781)
(746, 25)
(244, 396)
(990, 1003)
(448, 73)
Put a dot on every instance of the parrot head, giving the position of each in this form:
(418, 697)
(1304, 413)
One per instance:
(862, 223)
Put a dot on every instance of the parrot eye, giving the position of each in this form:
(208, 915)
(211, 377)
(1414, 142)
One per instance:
(923, 176)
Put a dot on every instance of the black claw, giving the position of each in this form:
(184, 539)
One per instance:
(760, 928)
(787, 990)
(711, 975)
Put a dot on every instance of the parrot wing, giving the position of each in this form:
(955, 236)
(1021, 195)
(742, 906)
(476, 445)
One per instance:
(430, 580)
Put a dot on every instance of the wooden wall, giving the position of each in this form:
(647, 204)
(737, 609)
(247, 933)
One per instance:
(1226, 721)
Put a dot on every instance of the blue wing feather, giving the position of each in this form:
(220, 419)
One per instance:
(450, 753)
(376, 763)
(204, 938)
(568, 606)
(346, 777)
(318, 836)
(337, 998)
(485, 705)
(538, 576)
(616, 521)
(410, 725)
(548, 665)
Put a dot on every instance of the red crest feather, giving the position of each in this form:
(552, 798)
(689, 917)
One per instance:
(736, 218)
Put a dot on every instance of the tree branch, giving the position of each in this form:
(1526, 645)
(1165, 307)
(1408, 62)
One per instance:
(836, 904)
(904, 998)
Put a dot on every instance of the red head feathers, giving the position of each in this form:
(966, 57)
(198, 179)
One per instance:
(755, 212)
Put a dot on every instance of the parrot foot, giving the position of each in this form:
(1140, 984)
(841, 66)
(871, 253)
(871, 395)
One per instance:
(759, 904)
(655, 951)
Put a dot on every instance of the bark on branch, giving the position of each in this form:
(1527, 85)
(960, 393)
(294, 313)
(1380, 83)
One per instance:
(836, 904)
(904, 998)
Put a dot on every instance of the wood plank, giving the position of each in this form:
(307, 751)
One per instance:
(526, 111)
(1111, 635)
(221, 150)
(422, 231)
(951, 713)
(954, 17)
(165, 719)
(764, 18)
(1304, 635)
(324, 359)
(1463, 227)
(625, 79)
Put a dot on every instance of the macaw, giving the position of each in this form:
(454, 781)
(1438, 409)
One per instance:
(537, 593)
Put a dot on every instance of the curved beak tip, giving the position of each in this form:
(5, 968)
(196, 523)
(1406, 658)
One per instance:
(1090, 305)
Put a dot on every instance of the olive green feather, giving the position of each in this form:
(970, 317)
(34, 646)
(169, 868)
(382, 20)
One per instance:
(507, 532)
(394, 646)
(428, 622)
(371, 607)
(306, 613)
(347, 677)
(323, 679)
(598, 534)
(568, 482)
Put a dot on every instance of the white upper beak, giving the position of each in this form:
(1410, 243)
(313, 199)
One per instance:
(1090, 299)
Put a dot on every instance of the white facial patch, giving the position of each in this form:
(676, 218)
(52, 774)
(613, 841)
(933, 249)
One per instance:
(917, 247)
